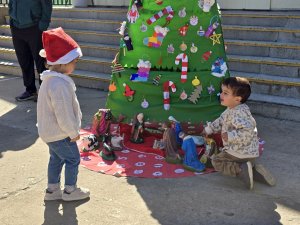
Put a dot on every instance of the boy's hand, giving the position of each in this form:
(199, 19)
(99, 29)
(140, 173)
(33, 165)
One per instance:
(75, 139)
(225, 136)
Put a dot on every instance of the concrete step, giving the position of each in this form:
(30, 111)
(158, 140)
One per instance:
(94, 64)
(275, 107)
(8, 54)
(6, 41)
(88, 36)
(265, 65)
(272, 85)
(263, 49)
(118, 14)
(261, 18)
(258, 33)
(81, 78)
(86, 24)
(88, 49)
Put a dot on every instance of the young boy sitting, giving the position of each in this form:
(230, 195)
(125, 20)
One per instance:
(239, 135)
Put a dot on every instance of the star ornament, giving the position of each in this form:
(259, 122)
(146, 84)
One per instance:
(216, 38)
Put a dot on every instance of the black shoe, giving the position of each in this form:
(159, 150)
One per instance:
(261, 174)
(247, 174)
(26, 96)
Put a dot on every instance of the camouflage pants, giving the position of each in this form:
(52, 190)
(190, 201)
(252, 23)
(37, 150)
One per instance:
(229, 165)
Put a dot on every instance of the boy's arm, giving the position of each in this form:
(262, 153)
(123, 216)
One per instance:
(46, 14)
(61, 100)
(243, 127)
(214, 127)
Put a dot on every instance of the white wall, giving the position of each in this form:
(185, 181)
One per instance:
(285, 4)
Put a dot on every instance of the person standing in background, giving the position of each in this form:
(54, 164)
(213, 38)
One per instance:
(28, 20)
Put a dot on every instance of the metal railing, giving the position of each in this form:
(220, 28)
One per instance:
(54, 2)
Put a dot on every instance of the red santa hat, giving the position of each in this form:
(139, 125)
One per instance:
(59, 48)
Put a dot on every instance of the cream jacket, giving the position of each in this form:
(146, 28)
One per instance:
(58, 111)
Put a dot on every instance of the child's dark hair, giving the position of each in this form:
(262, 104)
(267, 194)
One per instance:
(240, 87)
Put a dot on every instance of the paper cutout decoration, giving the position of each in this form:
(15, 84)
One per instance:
(165, 11)
(184, 66)
(194, 20)
(219, 68)
(143, 71)
(143, 27)
(196, 94)
(182, 13)
(159, 2)
(112, 87)
(216, 38)
(158, 36)
(183, 30)
(193, 49)
(128, 93)
(211, 89)
(183, 95)
(166, 93)
(206, 56)
(201, 32)
(196, 81)
(133, 14)
(170, 49)
(183, 47)
(205, 5)
(145, 104)
(156, 80)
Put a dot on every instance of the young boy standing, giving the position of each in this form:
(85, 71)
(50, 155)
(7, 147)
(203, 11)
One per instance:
(239, 135)
(59, 115)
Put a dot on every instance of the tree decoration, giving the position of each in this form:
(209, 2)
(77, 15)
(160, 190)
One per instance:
(210, 90)
(159, 2)
(112, 87)
(145, 104)
(219, 68)
(123, 46)
(194, 20)
(193, 49)
(205, 5)
(158, 36)
(166, 93)
(170, 49)
(128, 93)
(184, 66)
(183, 47)
(156, 80)
(196, 81)
(183, 30)
(206, 56)
(165, 11)
(183, 95)
(128, 42)
(122, 28)
(143, 71)
(182, 13)
(196, 94)
(133, 14)
(216, 38)
(201, 32)
(143, 27)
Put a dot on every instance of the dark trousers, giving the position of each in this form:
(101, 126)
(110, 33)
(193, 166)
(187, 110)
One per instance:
(28, 43)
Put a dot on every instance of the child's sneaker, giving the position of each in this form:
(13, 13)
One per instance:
(261, 174)
(54, 195)
(247, 174)
(77, 194)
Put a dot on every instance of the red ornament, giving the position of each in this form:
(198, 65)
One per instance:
(183, 30)
(206, 55)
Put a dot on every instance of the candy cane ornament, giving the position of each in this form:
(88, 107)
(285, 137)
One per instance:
(166, 93)
(165, 11)
(184, 66)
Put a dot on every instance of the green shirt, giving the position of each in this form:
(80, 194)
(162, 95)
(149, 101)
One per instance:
(28, 13)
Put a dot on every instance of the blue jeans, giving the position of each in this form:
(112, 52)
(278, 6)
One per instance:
(63, 152)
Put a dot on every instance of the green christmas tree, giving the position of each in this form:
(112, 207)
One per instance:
(167, 44)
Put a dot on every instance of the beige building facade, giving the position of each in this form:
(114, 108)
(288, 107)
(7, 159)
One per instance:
(260, 4)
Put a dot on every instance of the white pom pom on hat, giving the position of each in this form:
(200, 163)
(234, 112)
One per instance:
(59, 47)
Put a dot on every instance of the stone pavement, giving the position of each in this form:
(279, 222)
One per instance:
(209, 199)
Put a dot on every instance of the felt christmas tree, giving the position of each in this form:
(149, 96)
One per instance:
(167, 44)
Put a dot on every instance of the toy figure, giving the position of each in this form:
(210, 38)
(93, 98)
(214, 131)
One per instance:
(170, 144)
(107, 152)
(101, 122)
(190, 161)
(137, 129)
(177, 127)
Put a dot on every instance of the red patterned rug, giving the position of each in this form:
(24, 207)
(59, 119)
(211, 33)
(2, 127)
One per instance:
(135, 161)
